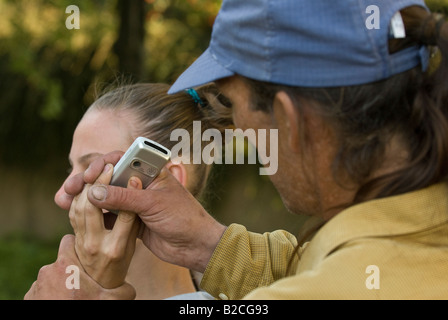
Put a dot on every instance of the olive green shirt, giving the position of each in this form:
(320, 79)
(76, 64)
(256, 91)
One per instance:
(391, 248)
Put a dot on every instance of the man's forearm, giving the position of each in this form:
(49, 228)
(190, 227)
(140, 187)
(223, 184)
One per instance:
(244, 261)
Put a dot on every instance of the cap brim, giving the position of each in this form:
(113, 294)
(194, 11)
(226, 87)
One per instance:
(204, 70)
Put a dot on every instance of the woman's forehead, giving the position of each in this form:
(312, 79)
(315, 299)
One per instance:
(101, 131)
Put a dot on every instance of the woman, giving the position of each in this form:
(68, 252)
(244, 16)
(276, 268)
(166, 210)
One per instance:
(112, 123)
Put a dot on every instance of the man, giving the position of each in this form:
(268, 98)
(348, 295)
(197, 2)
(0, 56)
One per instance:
(363, 146)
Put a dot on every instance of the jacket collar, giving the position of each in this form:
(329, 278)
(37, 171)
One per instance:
(398, 215)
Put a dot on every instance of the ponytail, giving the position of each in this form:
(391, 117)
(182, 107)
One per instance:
(429, 145)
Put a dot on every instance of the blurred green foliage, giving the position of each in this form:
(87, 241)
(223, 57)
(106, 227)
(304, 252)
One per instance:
(21, 258)
(49, 73)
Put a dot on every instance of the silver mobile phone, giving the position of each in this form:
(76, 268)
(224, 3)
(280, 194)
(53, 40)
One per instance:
(144, 159)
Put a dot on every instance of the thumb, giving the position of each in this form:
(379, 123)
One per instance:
(132, 200)
(67, 245)
(114, 198)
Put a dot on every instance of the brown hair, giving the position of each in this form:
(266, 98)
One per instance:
(158, 114)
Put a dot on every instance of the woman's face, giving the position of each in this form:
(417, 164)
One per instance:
(98, 133)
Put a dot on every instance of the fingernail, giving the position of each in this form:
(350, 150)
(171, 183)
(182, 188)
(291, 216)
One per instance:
(133, 183)
(107, 168)
(99, 192)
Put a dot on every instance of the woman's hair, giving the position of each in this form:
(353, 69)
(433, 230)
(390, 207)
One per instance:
(412, 106)
(157, 114)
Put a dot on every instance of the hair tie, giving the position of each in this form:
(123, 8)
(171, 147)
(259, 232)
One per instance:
(194, 94)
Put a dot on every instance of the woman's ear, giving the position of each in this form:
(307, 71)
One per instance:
(287, 119)
(178, 171)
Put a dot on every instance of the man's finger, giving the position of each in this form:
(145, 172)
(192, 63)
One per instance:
(64, 201)
(74, 186)
(114, 198)
(138, 201)
(97, 167)
(67, 246)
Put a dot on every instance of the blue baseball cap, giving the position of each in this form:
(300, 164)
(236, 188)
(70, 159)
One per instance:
(303, 43)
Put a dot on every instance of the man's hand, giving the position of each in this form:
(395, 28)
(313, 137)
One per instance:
(177, 228)
(74, 185)
(51, 280)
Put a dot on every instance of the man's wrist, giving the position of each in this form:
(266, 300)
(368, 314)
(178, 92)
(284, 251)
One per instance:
(210, 243)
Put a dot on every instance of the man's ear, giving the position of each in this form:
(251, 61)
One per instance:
(287, 118)
(179, 171)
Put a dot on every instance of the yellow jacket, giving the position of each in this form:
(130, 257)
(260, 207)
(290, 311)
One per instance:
(391, 248)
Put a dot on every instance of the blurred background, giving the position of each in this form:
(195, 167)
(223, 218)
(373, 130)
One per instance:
(48, 77)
